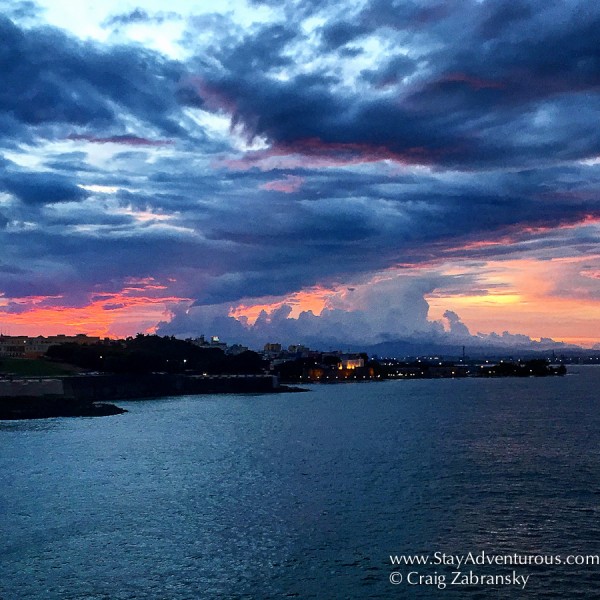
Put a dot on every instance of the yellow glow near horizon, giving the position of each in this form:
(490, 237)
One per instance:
(542, 299)
(485, 300)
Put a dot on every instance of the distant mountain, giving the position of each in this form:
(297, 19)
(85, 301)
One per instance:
(401, 348)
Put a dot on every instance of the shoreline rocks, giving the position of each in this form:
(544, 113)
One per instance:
(47, 407)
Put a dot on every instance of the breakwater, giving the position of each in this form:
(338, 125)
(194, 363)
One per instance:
(80, 395)
(131, 386)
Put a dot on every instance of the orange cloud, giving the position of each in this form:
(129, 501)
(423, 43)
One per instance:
(546, 298)
(536, 298)
(314, 299)
(138, 307)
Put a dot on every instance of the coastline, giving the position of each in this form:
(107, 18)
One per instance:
(28, 407)
(90, 395)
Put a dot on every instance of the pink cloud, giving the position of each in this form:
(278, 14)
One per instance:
(213, 98)
(289, 185)
(315, 153)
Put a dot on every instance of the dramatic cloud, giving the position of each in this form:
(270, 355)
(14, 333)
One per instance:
(52, 79)
(41, 188)
(444, 156)
(443, 99)
(389, 315)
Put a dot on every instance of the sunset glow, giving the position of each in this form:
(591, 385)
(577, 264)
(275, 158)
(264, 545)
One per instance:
(136, 308)
(318, 173)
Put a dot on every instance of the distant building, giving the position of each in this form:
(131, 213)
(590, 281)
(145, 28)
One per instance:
(351, 361)
(216, 343)
(236, 349)
(23, 346)
(201, 342)
(272, 348)
(299, 349)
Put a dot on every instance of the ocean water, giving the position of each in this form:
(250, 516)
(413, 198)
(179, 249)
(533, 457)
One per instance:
(308, 495)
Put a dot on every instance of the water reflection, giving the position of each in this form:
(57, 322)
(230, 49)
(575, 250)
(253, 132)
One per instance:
(302, 495)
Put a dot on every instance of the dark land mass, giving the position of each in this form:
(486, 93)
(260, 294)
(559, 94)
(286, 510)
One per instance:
(143, 367)
(44, 407)
(530, 368)
(156, 354)
(150, 366)
(414, 348)
(325, 369)
(86, 395)
(35, 367)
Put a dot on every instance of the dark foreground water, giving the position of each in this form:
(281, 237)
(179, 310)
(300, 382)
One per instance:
(307, 495)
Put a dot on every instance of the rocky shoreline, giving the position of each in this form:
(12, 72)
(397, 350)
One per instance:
(46, 408)
(87, 395)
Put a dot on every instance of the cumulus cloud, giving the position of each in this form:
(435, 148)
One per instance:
(388, 315)
(456, 326)
(318, 145)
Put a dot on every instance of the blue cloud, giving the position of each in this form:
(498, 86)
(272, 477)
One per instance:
(41, 188)
(424, 149)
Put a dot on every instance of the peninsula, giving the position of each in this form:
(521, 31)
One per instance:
(77, 375)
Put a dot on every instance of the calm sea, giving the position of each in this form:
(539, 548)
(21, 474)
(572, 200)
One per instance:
(307, 495)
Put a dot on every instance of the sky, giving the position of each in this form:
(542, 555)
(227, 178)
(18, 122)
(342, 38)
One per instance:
(302, 171)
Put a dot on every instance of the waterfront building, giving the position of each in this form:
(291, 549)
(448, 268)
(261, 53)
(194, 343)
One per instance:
(23, 346)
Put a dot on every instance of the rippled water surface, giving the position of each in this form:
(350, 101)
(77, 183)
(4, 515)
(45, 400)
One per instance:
(305, 495)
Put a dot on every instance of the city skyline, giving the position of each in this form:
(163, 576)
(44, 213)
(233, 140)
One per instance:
(366, 172)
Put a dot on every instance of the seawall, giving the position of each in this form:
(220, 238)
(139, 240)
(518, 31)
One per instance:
(121, 387)
(82, 395)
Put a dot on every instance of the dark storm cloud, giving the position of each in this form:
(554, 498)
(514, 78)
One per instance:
(339, 34)
(243, 241)
(111, 222)
(410, 14)
(41, 188)
(500, 16)
(376, 233)
(262, 50)
(298, 9)
(127, 140)
(51, 78)
(70, 163)
(11, 269)
(73, 264)
(340, 224)
(499, 99)
(138, 15)
(469, 97)
(395, 70)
